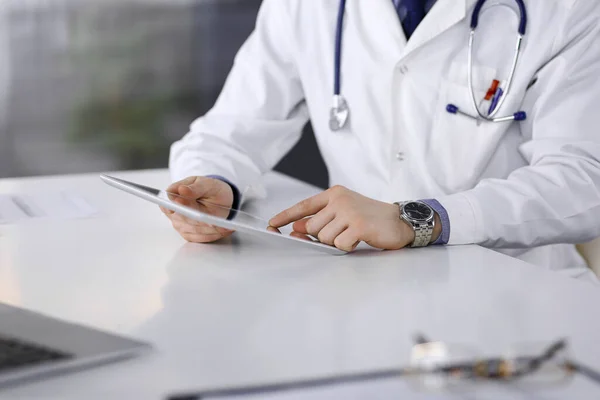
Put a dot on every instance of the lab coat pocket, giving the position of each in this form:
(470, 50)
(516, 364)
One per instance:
(460, 147)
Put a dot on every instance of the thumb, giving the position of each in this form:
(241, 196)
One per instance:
(199, 188)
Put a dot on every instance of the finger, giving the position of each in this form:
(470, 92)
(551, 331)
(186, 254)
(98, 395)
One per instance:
(224, 232)
(184, 201)
(182, 227)
(175, 185)
(166, 211)
(303, 209)
(196, 190)
(302, 236)
(196, 187)
(180, 221)
(186, 225)
(300, 226)
(196, 238)
(203, 207)
(186, 220)
(347, 240)
(331, 231)
(316, 223)
(274, 230)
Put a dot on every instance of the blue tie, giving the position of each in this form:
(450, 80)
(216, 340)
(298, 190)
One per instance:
(415, 12)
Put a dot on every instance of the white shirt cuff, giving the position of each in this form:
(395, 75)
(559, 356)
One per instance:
(464, 219)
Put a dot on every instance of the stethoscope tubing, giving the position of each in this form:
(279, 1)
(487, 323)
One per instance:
(340, 110)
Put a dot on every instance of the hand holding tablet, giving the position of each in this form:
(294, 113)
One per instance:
(215, 218)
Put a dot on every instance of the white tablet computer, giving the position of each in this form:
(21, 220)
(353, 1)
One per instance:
(213, 214)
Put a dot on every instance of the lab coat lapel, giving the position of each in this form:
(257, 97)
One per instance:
(377, 23)
(444, 15)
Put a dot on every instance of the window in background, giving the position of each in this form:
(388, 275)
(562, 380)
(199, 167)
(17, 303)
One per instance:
(95, 85)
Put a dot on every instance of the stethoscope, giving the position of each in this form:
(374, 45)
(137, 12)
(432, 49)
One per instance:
(340, 111)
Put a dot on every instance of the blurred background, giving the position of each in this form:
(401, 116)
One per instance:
(100, 85)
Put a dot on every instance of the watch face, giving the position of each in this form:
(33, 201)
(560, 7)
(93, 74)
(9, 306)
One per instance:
(418, 211)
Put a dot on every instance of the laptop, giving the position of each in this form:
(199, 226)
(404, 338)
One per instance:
(33, 346)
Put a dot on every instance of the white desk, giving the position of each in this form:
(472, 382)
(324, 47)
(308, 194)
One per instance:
(239, 312)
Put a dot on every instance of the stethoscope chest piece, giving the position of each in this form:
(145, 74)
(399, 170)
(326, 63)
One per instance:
(339, 114)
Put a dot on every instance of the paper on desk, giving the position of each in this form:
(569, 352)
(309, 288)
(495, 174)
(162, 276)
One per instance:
(15, 208)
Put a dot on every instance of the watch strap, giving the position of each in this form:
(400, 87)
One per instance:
(444, 237)
(423, 233)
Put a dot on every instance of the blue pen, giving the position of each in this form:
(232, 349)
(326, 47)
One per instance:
(495, 100)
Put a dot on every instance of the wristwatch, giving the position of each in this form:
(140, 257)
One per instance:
(421, 218)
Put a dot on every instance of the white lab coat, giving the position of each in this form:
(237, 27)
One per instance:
(528, 189)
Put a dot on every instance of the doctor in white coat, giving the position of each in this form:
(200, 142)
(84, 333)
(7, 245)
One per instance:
(528, 186)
